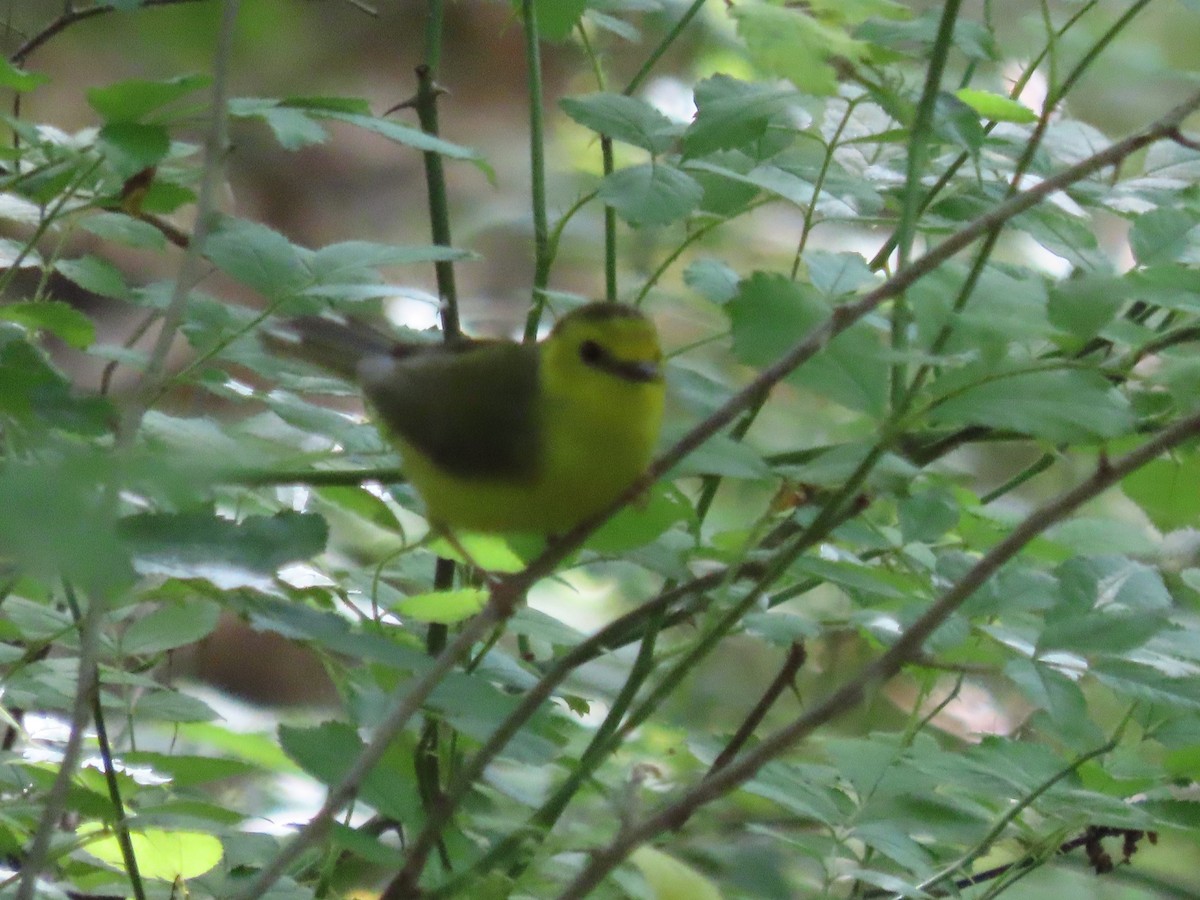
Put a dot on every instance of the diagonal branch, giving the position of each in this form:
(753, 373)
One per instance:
(906, 648)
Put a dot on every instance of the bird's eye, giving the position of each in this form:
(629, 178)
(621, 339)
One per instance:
(590, 352)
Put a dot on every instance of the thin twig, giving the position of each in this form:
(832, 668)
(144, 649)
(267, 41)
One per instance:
(215, 143)
(81, 711)
(906, 648)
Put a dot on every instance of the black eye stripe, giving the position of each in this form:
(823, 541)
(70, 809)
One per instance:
(591, 352)
(598, 357)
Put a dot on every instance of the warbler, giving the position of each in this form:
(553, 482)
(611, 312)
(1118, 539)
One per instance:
(500, 436)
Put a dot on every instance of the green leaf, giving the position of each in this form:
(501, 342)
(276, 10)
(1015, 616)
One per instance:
(228, 554)
(772, 313)
(651, 194)
(490, 552)
(1164, 235)
(444, 607)
(1165, 490)
(55, 521)
(957, 123)
(670, 879)
(996, 107)
(131, 101)
(162, 855)
(186, 770)
(172, 706)
(838, 274)
(171, 625)
(790, 43)
(293, 128)
(641, 523)
(401, 134)
(124, 229)
(96, 275)
(348, 260)
(1083, 306)
(731, 114)
(18, 79)
(327, 751)
(928, 515)
(556, 19)
(132, 147)
(258, 257)
(62, 320)
(712, 279)
(623, 118)
(1059, 405)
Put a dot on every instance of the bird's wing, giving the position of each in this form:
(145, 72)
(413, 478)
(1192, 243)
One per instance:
(472, 408)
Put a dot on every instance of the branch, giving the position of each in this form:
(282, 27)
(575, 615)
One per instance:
(906, 648)
(215, 142)
(848, 314)
(69, 18)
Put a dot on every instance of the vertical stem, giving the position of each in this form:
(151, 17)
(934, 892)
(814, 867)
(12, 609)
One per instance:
(537, 169)
(918, 153)
(610, 228)
(439, 209)
(85, 688)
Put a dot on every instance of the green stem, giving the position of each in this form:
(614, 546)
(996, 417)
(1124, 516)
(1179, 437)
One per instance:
(435, 181)
(120, 822)
(537, 169)
(657, 53)
(918, 160)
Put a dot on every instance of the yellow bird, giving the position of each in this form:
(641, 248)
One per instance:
(498, 436)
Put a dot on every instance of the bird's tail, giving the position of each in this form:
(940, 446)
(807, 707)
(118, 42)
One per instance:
(335, 346)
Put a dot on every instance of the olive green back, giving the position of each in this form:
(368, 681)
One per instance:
(471, 408)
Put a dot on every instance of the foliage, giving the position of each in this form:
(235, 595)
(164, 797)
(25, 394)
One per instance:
(913, 610)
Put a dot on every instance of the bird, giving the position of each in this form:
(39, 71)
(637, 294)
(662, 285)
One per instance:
(498, 436)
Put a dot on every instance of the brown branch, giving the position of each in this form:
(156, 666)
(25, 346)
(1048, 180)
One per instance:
(73, 17)
(906, 648)
(848, 314)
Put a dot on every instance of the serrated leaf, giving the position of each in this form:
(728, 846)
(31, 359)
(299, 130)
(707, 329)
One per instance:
(228, 554)
(996, 107)
(490, 552)
(161, 855)
(670, 879)
(1164, 235)
(258, 257)
(344, 261)
(124, 229)
(132, 147)
(294, 128)
(444, 607)
(1083, 306)
(172, 706)
(1059, 405)
(96, 275)
(171, 625)
(772, 313)
(641, 523)
(1165, 489)
(60, 319)
(627, 119)
(712, 279)
(651, 194)
(326, 752)
(790, 43)
(556, 19)
(18, 79)
(838, 274)
(130, 101)
(401, 134)
(957, 123)
(731, 113)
